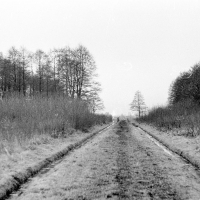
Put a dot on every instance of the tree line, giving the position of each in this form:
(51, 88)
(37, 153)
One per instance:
(64, 71)
(182, 113)
(186, 86)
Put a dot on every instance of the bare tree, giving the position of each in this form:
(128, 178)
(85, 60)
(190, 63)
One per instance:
(84, 70)
(94, 101)
(13, 56)
(54, 56)
(24, 57)
(47, 72)
(39, 60)
(66, 71)
(32, 76)
(138, 104)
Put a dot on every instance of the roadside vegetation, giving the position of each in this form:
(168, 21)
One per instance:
(47, 95)
(182, 114)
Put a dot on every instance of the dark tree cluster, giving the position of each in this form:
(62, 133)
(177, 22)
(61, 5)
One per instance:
(65, 71)
(186, 86)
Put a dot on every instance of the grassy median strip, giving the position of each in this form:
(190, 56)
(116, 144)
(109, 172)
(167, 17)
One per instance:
(13, 183)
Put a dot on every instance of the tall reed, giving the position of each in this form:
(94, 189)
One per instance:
(183, 116)
(22, 119)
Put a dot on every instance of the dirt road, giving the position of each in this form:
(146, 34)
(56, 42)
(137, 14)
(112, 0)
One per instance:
(120, 163)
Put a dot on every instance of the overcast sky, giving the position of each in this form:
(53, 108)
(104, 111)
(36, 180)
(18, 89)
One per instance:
(137, 44)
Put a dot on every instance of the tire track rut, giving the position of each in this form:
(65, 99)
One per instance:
(138, 177)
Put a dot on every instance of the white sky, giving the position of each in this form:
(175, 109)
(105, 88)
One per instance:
(137, 44)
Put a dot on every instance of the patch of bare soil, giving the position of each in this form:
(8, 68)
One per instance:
(120, 163)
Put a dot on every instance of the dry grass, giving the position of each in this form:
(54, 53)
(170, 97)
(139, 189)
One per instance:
(182, 118)
(35, 120)
(37, 149)
(39, 152)
(187, 147)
